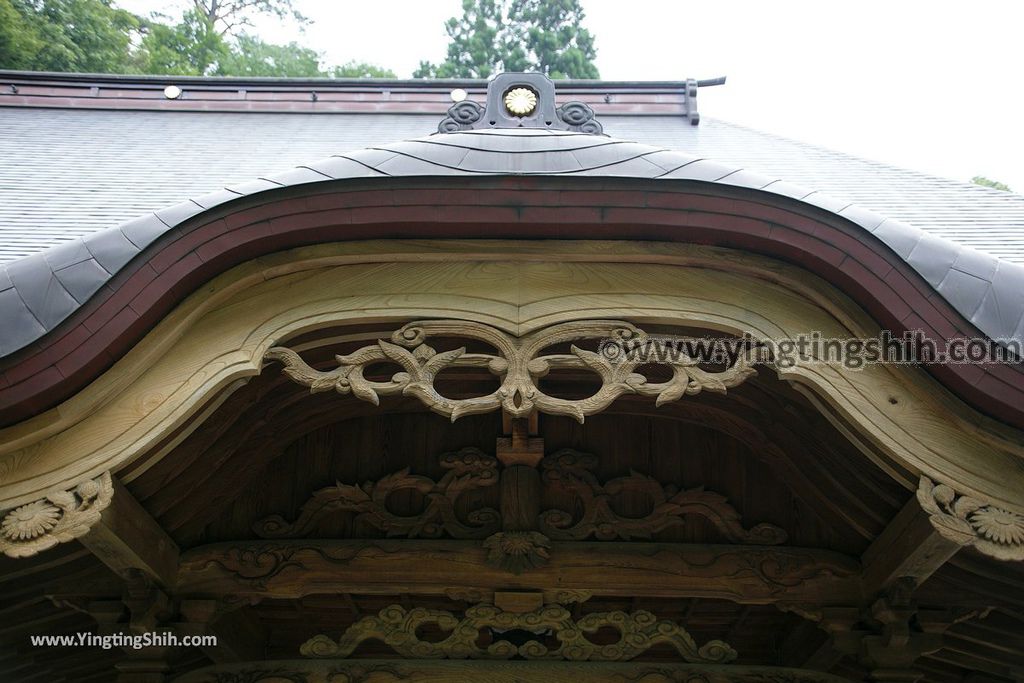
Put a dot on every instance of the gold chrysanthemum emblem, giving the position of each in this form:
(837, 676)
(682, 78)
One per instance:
(30, 521)
(520, 101)
(998, 525)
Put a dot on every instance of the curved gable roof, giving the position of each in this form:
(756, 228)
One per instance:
(40, 291)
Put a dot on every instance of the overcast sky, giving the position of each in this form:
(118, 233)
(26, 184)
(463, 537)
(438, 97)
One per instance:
(934, 86)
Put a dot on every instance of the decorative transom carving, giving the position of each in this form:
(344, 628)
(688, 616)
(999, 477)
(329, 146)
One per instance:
(519, 364)
(571, 470)
(638, 632)
(57, 518)
(518, 550)
(992, 530)
(470, 469)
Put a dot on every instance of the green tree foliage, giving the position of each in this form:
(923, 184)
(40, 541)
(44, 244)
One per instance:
(253, 57)
(66, 35)
(356, 69)
(191, 48)
(994, 184)
(231, 17)
(516, 35)
(210, 39)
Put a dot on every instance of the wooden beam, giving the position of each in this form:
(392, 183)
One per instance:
(127, 537)
(239, 638)
(443, 671)
(744, 574)
(909, 547)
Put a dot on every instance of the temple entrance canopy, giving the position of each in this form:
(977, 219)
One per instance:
(426, 411)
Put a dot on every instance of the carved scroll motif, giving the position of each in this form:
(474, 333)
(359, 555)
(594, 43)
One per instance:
(571, 470)
(468, 469)
(517, 362)
(517, 551)
(993, 531)
(638, 631)
(57, 518)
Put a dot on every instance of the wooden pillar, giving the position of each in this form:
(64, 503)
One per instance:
(520, 454)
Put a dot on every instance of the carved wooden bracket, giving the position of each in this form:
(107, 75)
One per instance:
(638, 631)
(59, 517)
(991, 530)
(517, 361)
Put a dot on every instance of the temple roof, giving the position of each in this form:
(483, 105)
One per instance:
(75, 181)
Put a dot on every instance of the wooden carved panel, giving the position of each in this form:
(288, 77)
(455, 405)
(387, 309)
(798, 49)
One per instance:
(518, 363)
(639, 631)
(468, 469)
(516, 550)
(572, 471)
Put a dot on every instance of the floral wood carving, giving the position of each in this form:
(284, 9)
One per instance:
(519, 364)
(571, 470)
(638, 631)
(468, 469)
(57, 518)
(993, 531)
(517, 551)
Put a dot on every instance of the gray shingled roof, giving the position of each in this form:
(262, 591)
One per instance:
(67, 172)
(37, 292)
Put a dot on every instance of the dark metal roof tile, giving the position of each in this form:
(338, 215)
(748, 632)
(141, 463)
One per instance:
(977, 263)
(67, 254)
(702, 169)
(82, 279)
(142, 231)
(864, 217)
(253, 186)
(340, 167)
(899, 237)
(298, 176)
(1002, 309)
(785, 189)
(826, 201)
(212, 199)
(964, 291)
(111, 249)
(178, 213)
(20, 326)
(933, 257)
(746, 178)
(41, 291)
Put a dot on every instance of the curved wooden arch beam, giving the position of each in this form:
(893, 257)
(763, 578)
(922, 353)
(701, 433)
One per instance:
(221, 334)
(185, 258)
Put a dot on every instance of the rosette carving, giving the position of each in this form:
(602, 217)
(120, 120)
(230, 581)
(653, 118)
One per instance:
(57, 518)
(518, 362)
(517, 551)
(992, 530)
(468, 469)
(571, 471)
(638, 631)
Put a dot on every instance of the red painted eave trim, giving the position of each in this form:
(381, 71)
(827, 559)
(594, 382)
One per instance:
(80, 349)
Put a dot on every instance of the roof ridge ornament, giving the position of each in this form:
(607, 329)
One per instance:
(520, 100)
